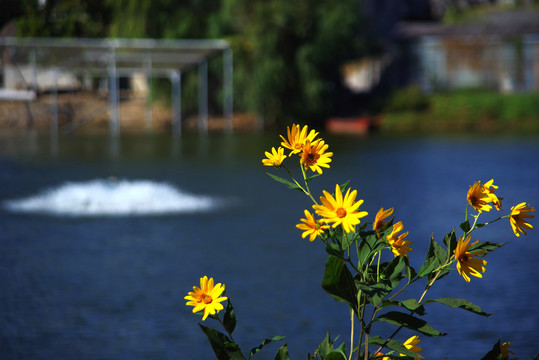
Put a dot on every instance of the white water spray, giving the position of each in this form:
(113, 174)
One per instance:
(112, 197)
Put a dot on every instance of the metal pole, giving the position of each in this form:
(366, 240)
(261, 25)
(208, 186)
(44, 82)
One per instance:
(54, 106)
(114, 124)
(203, 97)
(176, 79)
(34, 70)
(228, 103)
(54, 113)
(149, 105)
(529, 42)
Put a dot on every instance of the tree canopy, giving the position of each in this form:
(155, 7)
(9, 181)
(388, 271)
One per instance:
(287, 55)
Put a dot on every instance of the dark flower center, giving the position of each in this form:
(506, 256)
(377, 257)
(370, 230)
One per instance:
(312, 158)
(341, 213)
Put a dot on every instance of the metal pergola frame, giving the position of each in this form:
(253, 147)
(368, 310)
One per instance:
(113, 58)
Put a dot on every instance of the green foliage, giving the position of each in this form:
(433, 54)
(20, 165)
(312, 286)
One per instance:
(223, 347)
(327, 351)
(410, 98)
(283, 50)
(409, 321)
(339, 282)
(470, 109)
(64, 18)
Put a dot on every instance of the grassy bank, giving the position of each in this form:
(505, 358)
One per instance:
(474, 110)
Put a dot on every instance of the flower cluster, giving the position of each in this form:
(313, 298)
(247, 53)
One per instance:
(358, 272)
(312, 151)
(479, 197)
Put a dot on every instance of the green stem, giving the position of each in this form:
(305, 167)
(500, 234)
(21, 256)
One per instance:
(351, 333)
(378, 267)
(439, 270)
(306, 183)
(295, 181)
(473, 225)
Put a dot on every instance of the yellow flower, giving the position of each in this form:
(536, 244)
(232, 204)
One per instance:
(466, 263)
(478, 198)
(411, 343)
(311, 226)
(399, 246)
(518, 216)
(340, 210)
(496, 201)
(275, 158)
(297, 138)
(379, 222)
(314, 156)
(504, 349)
(206, 298)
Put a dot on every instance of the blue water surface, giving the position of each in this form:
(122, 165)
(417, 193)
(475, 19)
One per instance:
(113, 287)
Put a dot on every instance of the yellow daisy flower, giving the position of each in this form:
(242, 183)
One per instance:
(312, 227)
(478, 198)
(411, 343)
(518, 216)
(297, 138)
(340, 210)
(496, 201)
(466, 263)
(314, 156)
(504, 349)
(379, 222)
(207, 297)
(275, 158)
(399, 246)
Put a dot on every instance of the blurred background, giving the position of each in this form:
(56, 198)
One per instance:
(131, 139)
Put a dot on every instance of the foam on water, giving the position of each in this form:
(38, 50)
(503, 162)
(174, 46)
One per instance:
(110, 197)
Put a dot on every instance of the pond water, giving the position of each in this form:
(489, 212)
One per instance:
(102, 239)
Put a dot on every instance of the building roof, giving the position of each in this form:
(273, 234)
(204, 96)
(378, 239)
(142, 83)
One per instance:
(497, 23)
(129, 55)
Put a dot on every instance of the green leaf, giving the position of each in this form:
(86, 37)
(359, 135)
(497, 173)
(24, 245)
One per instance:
(325, 347)
(374, 291)
(326, 350)
(339, 282)
(334, 249)
(223, 347)
(459, 303)
(410, 322)
(290, 184)
(282, 353)
(393, 345)
(308, 179)
(485, 248)
(229, 319)
(264, 343)
(465, 226)
(368, 247)
(343, 187)
(410, 304)
(450, 241)
(393, 271)
(435, 257)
